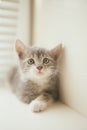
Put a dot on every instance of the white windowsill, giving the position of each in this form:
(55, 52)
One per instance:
(14, 115)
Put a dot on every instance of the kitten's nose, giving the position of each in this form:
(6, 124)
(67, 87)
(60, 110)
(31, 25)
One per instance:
(39, 67)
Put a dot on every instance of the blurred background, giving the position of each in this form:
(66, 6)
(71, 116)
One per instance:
(15, 19)
(47, 23)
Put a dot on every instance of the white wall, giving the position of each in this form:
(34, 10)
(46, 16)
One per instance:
(66, 21)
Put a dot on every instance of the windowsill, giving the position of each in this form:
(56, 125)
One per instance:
(14, 115)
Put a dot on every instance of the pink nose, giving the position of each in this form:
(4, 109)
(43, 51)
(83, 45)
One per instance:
(39, 67)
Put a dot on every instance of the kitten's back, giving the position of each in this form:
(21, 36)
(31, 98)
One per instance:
(13, 77)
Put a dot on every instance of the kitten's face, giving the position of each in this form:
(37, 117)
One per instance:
(36, 63)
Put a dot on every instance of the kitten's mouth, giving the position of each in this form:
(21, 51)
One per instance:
(40, 73)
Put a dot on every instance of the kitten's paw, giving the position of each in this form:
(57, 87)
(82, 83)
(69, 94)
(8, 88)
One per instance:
(63, 46)
(37, 105)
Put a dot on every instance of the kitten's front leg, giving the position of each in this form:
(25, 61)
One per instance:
(41, 102)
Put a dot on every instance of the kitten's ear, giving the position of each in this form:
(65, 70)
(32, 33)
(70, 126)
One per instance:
(55, 52)
(20, 47)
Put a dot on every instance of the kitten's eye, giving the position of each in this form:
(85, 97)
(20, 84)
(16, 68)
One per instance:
(45, 60)
(31, 61)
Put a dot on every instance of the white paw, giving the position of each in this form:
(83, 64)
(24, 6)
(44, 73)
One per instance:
(63, 46)
(37, 105)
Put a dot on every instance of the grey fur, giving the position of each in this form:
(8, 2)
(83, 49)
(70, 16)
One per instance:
(27, 90)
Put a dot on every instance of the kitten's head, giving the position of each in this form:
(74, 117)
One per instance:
(37, 62)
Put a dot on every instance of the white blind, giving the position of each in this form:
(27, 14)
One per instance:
(8, 29)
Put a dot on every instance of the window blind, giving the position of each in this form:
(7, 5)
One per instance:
(8, 29)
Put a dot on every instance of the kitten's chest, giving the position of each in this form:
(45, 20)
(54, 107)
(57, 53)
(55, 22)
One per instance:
(42, 82)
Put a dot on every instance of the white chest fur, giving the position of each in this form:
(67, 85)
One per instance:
(41, 80)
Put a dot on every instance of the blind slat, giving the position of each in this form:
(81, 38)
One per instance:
(8, 29)
(5, 53)
(9, 22)
(15, 1)
(8, 5)
(7, 14)
(7, 37)
(6, 61)
(5, 45)
(10, 33)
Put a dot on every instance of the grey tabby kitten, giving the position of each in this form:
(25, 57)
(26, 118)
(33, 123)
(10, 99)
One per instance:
(34, 81)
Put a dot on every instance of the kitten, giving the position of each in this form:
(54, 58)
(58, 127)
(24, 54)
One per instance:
(34, 81)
